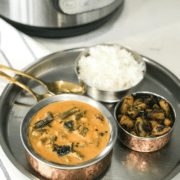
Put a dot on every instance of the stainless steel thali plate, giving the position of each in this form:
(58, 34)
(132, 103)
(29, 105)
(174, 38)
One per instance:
(126, 164)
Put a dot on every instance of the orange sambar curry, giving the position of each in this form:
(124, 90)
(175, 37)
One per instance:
(68, 132)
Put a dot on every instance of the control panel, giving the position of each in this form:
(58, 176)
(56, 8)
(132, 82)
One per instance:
(79, 6)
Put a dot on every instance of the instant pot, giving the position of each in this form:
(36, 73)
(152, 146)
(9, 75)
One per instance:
(57, 18)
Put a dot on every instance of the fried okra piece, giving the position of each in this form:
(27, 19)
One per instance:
(156, 115)
(159, 130)
(44, 121)
(120, 116)
(137, 101)
(153, 123)
(150, 99)
(133, 114)
(126, 121)
(67, 149)
(136, 108)
(155, 106)
(79, 115)
(82, 130)
(69, 125)
(63, 150)
(127, 104)
(167, 122)
(139, 106)
(68, 113)
(142, 127)
(165, 106)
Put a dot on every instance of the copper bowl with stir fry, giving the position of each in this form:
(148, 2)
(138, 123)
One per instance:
(145, 121)
(108, 94)
(52, 170)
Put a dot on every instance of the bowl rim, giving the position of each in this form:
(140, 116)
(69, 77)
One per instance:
(145, 138)
(68, 97)
(121, 47)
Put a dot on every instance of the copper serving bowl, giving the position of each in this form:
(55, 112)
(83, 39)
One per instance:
(87, 170)
(143, 144)
(103, 95)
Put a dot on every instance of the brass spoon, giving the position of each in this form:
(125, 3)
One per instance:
(57, 87)
(14, 81)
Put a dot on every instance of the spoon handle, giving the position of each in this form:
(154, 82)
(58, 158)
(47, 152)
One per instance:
(23, 74)
(14, 81)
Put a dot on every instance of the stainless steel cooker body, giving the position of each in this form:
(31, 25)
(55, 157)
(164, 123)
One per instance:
(56, 13)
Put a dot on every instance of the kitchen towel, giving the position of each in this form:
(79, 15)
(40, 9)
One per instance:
(17, 50)
(4, 175)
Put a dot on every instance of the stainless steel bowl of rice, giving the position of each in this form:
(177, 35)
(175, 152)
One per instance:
(109, 71)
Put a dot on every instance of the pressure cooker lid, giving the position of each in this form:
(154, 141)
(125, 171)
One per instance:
(51, 32)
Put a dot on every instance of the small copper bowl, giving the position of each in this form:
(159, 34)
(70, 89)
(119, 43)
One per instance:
(103, 95)
(143, 144)
(87, 170)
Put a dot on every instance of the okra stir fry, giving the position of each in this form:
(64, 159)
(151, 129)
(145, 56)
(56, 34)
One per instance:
(145, 115)
(69, 132)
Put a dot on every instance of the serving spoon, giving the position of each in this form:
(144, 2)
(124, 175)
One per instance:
(57, 87)
(14, 81)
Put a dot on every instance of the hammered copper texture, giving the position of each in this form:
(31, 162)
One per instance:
(143, 145)
(86, 173)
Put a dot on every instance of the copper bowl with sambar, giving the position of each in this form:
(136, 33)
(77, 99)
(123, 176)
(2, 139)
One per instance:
(49, 168)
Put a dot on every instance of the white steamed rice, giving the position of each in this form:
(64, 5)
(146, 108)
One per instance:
(110, 68)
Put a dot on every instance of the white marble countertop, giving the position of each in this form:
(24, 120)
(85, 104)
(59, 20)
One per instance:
(152, 28)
